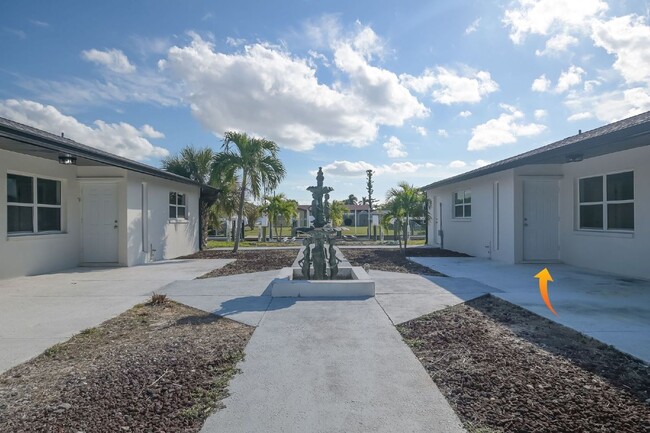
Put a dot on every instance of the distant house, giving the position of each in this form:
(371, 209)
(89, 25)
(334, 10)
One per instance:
(584, 201)
(64, 204)
(356, 215)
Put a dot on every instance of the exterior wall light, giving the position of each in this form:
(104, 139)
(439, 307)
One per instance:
(67, 160)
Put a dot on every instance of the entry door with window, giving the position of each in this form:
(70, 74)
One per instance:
(100, 223)
(541, 220)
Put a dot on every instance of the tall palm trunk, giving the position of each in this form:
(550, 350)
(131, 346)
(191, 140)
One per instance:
(406, 233)
(240, 214)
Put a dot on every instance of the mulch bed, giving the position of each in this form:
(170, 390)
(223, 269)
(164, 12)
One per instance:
(154, 368)
(506, 369)
(391, 260)
(433, 252)
(247, 261)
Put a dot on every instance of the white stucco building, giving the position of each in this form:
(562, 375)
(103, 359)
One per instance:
(64, 204)
(584, 201)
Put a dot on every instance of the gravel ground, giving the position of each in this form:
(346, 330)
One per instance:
(154, 368)
(247, 261)
(505, 369)
(393, 260)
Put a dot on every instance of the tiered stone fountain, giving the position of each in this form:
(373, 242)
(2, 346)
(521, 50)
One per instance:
(320, 269)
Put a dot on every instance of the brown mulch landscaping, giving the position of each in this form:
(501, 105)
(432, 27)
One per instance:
(505, 369)
(154, 368)
(247, 261)
(390, 259)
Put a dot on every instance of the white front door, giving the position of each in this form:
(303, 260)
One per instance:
(99, 222)
(541, 218)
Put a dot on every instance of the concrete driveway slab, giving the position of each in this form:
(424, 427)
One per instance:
(39, 311)
(331, 366)
(407, 296)
(612, 309)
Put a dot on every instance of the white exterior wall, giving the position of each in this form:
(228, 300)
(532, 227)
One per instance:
(619, 253)
(486, 233)
(36, 254)
(168, 238)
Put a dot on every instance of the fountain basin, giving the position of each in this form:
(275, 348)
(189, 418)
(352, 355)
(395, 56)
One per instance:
(352, 281)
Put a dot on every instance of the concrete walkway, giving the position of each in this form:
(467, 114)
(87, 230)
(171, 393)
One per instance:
(39, 311)
(327, 365)
(612, 309)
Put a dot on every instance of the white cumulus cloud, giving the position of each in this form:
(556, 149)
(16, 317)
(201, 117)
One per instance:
(452, 87)
(628, 38)
(421, 130)
(580, 116)
(115, 60)
(121, 138)
(541, 17)
(557, 44)
(569, 78)
(443, 133)
(503, 130)
(540, 114)
(395, 148)
(266, 90)
(541, 84)
(358, 168)
(610, 106)
(465, 113)
(457, 164)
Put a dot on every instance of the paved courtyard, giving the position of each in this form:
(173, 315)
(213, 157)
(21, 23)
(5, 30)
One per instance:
(39, 311)
(614, 310)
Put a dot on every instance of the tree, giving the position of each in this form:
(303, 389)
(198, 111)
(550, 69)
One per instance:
(369, 199)
(252, 212)
(256, 162)
(196, 164)
(404, 203)
(352, 199)
(337, 210)
(279, 209)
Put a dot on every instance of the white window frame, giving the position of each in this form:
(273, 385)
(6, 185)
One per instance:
(602, 203)
(461, 205)
(176, 206)
(35, 205)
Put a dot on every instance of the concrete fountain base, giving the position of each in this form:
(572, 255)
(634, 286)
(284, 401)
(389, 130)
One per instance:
(352, 281)
(287, 284)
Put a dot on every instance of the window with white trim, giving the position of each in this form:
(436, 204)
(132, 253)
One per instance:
(462, 204)
(33, 205)
(606, 202)
(177, 209)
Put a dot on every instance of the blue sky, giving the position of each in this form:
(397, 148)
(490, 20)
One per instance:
(417, 91)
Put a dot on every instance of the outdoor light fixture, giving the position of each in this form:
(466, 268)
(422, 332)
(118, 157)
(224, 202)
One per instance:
(67, 160)
(574, 157)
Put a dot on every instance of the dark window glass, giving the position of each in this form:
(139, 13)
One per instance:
(458, 211)
(20, 189)
(172, 198)
(591, 216)
(181, 199)
(591, 189)
(49, 219)
(620, 216)
(620, 186)
(20, 219)
(468, 211)
(48, 191)
(458, 198)
(172, 211)
(181, 212)
(468, 197)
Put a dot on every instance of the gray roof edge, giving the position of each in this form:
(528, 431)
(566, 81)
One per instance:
(525, 158)
(37, 137)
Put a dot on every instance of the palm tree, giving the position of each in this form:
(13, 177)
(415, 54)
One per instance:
(195, 164)
(279, 209)
(255, 161)
(352, 199)
(337, 210)
(404, 203)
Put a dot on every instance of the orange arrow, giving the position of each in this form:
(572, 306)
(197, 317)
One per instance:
(544, 277)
